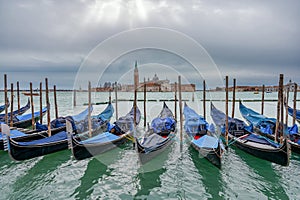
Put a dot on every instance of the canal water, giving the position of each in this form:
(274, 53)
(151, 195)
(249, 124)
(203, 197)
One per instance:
(175, 174)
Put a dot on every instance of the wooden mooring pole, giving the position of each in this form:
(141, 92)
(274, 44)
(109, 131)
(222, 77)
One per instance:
(233, 98)
(204, 99)
(48, 108)
(89, 115)
(11, 104)
(262, 99)
(55, 102)
(145, 98)
(5, 98)
(175, 101)
(226, 108)
(180, 108)
(295, 103)
(116, 100)
(41, 102)
(18, 96)
(32, 108)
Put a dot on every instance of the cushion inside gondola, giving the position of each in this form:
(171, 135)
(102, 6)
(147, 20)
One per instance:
(54, 138)
(163, 124)
(206, 141)
(153, 141)
(261, 140)
(28, 116)
(101, 138)
(14, 134)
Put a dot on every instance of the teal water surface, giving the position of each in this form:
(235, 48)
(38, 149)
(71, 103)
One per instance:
(178, 173)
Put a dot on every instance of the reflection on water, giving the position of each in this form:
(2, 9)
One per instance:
(148, 181)
(176, 174)
(96, 169)
(211, 176)
(272, 182)
(40, 174)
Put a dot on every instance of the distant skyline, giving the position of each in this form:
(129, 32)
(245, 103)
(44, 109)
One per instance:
(252, 41)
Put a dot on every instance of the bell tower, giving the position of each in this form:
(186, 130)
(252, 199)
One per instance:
(136, 75)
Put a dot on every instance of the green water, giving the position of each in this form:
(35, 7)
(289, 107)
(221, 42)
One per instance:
(175, 174)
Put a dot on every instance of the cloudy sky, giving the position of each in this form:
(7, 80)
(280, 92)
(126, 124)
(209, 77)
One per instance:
(252, 41)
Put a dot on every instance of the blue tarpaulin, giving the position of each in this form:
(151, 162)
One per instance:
(106, 114)
(291, 111)
(163, 124)
(101, 138)
(14, 134)
(29, 116)
(261, 140)
(152, 142)
(54, 138)
(206, 141)
(194, 123)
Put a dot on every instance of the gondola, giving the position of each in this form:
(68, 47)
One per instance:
(158, 137)
(121, 131)
(25, 120)
(2, 108)
(16, 112)
(265, 126)
(291, 112)
(39, 144)
(201, 137)
(242, 137)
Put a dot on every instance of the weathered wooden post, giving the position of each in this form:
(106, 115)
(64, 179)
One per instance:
(74, 97)
(180, 108)
(32, 108)
(233, 98)
(48, 108)
(11, 104)
(89, 115)
(116, 100)
(295, 104)
(226, 108)
(175, 101)
(55, 102)
(5, 98)
(18, 96)
(262, 99)
(287, 104)
(41, 102)
(204, 99)
(145, 110)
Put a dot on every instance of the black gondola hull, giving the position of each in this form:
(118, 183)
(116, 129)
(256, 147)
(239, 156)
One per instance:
(26, 123)
(212, 155)
(145, 157)
(279, 156)
(19, 153)
(34, 135)
(83, 151)
(294, 146)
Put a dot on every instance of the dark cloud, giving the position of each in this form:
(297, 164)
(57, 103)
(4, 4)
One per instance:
(253, 41)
